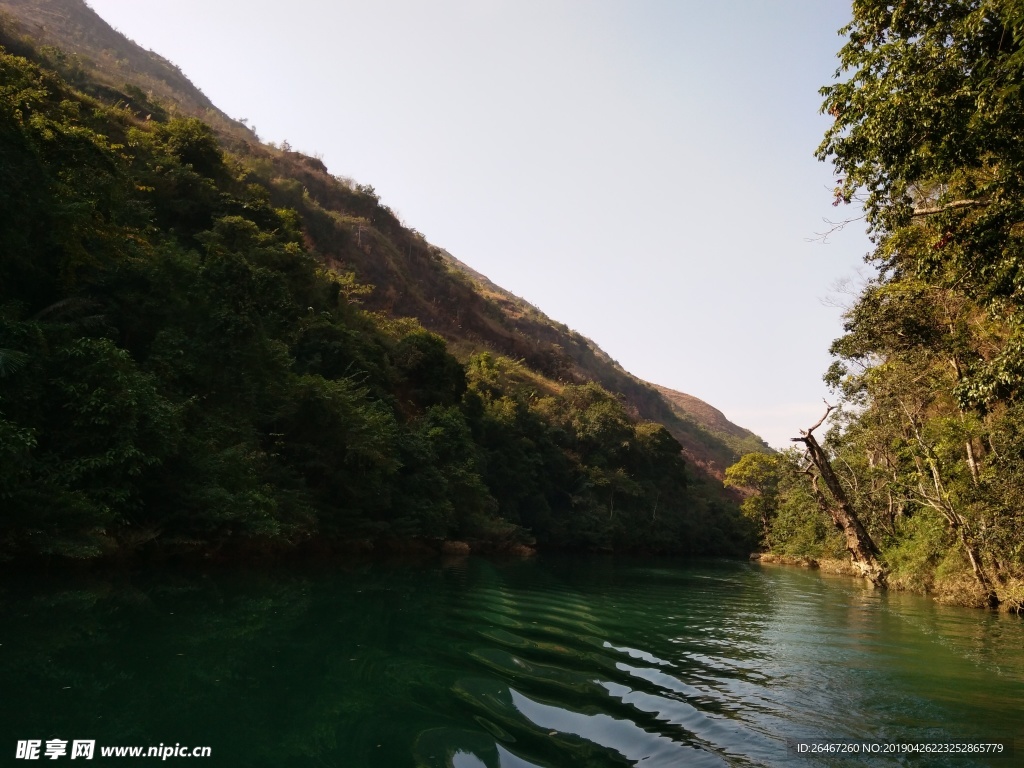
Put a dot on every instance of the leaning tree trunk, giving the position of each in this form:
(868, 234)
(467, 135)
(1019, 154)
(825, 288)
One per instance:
(963, 531)
(858, 542)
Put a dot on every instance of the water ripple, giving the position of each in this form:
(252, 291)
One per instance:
(704, 669)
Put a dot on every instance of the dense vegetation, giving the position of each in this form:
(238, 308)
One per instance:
(928, 442)
(180, 371)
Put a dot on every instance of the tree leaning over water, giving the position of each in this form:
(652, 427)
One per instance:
(836, 504)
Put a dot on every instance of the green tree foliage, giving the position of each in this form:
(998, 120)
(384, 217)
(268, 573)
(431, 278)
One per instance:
(927, 134)
(780, 504)
(574, 468)
(759, 475)
(180, 373)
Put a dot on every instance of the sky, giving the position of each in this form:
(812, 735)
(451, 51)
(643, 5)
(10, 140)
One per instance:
(640, 170)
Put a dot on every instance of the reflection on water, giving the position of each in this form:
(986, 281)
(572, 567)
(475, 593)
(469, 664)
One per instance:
(558, 662)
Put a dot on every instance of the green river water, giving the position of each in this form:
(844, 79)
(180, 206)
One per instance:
(554, 661)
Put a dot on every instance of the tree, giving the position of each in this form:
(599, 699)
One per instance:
(759, 475)
(836, 503)
(928, 133)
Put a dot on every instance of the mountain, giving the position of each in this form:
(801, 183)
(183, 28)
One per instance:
(413, 278)
(103, 60)
(354, 232)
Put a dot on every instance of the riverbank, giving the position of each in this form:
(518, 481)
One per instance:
(957, 588)
(263, 553)
(825, 565)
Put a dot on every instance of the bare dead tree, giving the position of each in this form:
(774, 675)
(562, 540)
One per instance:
(862, 549)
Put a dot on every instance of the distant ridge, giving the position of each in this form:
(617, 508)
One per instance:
(706, 414)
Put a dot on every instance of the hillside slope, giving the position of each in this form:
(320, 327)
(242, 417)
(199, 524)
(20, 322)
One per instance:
(349, 226)
(111, 60)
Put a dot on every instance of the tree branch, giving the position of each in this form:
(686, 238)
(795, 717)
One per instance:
(947, 207)
(807, 432)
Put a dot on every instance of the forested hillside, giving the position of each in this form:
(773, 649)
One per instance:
(926, 449)
(188, 363)
(100, 59)
(350, 227)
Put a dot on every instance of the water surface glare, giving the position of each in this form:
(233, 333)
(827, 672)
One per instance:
(552, 662)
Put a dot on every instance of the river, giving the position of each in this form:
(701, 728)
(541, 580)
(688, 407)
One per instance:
(554, 661)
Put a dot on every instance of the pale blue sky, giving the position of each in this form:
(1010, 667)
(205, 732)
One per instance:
(641, 170)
